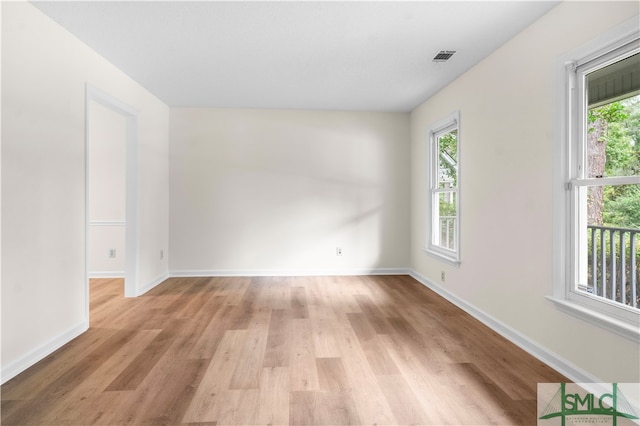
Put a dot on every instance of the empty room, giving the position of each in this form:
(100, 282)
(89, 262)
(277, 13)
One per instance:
(320, 213)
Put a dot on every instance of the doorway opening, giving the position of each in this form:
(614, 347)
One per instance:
(111, 191)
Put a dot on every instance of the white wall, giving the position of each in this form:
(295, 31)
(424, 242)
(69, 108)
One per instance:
(262, 191)
(44, 72)
(107, 143)
(507, 136)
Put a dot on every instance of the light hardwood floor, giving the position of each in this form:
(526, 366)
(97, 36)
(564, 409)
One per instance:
(279, 350)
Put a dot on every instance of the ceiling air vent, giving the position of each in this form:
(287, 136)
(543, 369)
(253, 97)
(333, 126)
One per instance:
(443, 55)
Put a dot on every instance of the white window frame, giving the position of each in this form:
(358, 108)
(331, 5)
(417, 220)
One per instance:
(446, 125)
(569, 180)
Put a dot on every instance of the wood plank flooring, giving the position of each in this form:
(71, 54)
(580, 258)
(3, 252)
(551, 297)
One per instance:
(362, 350)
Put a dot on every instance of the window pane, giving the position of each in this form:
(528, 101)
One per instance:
(614, 205)
(610, 243)
(609, 226)
(448, 160)
(447, 220)
(613, 139)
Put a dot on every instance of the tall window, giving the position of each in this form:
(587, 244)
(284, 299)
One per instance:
(602, 184)
(444, 230)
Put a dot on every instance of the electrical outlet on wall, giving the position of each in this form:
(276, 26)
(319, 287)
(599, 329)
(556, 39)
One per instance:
(161, 254)
(112, 253)
(442, 276)
(338, 251)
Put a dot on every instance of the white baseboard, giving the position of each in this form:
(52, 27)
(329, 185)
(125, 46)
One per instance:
(287, 272)
(151, 284)
(18, 366)
(106, 274)
(555, 361)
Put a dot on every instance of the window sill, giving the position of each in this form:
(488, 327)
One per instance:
(442, 256)
(622, 328)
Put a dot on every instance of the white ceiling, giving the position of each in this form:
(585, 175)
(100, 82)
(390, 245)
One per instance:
(369, 56)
